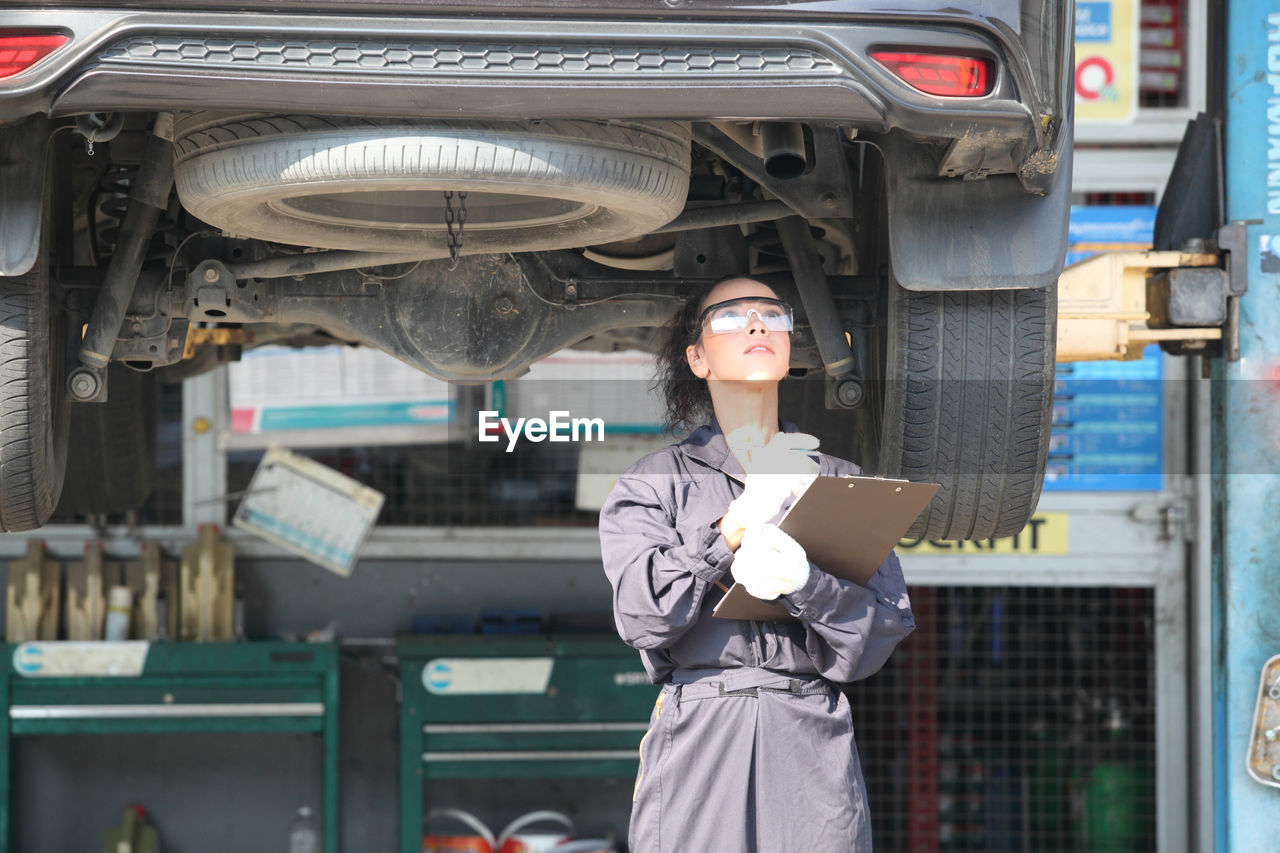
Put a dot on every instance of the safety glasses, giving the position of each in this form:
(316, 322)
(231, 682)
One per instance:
(733, 315)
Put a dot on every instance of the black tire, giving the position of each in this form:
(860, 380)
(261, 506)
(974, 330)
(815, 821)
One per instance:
(111, 452)
(963, 397)
(968, 403)
(34, 402)
(378, 184)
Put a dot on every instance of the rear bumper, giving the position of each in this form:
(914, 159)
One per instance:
(506, 68)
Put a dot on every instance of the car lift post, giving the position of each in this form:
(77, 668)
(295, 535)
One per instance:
(1246, 436)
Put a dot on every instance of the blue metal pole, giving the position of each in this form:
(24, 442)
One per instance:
(1246, 423)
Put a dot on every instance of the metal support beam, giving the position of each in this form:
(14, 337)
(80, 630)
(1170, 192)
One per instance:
(205, 413)
(1199, 616)
(1246, 410)
(1172, 718)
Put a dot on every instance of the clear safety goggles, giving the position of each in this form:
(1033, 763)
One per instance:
(733, 315)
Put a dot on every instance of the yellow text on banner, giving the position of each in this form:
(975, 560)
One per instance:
(1044, 535)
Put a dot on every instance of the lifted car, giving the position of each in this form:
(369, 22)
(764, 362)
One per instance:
(471, 186)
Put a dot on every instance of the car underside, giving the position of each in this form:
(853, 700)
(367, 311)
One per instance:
(470, 188)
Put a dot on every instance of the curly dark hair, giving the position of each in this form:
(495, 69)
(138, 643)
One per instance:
(687, 398)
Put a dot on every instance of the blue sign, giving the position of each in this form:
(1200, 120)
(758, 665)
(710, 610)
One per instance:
(1112, 223)
(1108, 416)
(1120, 226)
(1093, 21)
(1108, 426)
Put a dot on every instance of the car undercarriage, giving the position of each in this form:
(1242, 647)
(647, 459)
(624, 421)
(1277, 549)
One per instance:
(472, 193)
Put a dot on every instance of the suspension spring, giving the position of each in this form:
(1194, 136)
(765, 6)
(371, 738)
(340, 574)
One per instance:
(107, 210)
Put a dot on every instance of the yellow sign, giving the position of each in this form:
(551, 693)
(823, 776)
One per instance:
(1106, 79)
(1044, 535)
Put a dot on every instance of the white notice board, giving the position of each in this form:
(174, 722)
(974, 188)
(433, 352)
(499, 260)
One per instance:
(309, 509)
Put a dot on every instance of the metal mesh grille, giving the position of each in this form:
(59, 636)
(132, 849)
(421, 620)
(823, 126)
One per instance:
(441, 485)
(461, 479)
(1014, 720)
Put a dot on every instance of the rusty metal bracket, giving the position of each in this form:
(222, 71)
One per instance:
(1264, 738)
(197, 336)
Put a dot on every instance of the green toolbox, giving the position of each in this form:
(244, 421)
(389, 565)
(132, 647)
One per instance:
(71, 688)
(516, 706)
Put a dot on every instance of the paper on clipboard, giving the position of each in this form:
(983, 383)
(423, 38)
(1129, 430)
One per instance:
(847, 526)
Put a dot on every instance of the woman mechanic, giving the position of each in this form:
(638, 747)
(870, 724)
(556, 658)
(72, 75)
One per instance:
(750, 745)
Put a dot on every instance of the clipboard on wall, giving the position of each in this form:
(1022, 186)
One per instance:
(847, 527)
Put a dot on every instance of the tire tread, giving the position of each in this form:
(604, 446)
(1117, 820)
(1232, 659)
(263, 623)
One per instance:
(971, 374)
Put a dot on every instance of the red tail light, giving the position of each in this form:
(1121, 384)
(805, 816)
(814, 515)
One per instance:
(20, 52)
(940, 74)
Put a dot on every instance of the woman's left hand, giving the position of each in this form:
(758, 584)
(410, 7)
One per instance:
(786, 453)
(777, 471)
(769, 563)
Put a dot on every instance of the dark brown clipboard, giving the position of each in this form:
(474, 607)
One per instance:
(847, 527)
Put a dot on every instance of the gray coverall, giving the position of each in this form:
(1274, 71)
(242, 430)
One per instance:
(750, 745)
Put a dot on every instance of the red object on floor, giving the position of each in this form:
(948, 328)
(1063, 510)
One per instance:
(922, 726)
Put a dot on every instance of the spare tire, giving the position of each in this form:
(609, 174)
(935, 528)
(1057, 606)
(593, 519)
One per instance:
(376, 184)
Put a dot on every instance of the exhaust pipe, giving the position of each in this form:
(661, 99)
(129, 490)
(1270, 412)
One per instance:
(783, 146)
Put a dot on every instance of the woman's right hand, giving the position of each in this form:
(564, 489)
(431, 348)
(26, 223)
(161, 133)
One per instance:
(770, 563)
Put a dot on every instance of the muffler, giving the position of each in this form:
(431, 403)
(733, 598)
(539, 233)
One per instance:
(783, 149)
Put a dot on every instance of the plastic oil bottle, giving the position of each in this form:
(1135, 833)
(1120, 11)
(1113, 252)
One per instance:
(1116, 794)
(304, 837)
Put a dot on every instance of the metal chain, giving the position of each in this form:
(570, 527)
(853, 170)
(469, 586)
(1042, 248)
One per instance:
(454, 240)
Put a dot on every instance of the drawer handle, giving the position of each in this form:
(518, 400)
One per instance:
(534, 755)
(528, 728)
(124, 712)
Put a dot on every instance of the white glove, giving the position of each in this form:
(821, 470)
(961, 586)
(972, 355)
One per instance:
(777, 471)
(784, 453)
(769, 563)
